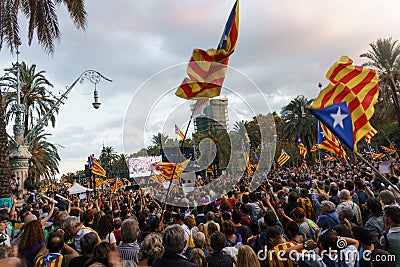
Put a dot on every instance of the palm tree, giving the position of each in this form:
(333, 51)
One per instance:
(384, 56)
(42, 19)
(159, 141)
(5, 172)
(298, 120)
(45, 158)
(107, 157)
(222, 141)
(34, 95)
(120, 166)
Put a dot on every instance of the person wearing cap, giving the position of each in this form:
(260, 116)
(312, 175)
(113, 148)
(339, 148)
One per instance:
(328, 218)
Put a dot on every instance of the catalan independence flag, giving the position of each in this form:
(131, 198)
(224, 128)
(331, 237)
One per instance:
(49, 260)
(283, 158)
(378, 155)
(347, 103)
(165, 169)
(314, 148)
(117, 185)
(388, 150)
(304, 164)
(328, 141)
(179, 132)
(329, 158)
(302, 148)
(206, 69)
(95, 167)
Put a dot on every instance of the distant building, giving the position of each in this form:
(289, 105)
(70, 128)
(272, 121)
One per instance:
(215, 115)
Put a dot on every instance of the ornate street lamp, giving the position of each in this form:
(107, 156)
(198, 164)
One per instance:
(19, 154)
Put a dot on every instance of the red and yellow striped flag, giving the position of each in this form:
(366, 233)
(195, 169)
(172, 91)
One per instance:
(330, 143)
(314, 148)
(283, 158)
(363, 82)
(388, 150)
(95, 167)
(165, 169)
(378, 155)
(117, 185)
(337, 94)
(207, 69)
(157, 178)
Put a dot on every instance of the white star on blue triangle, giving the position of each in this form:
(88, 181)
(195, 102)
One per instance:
(337, 118)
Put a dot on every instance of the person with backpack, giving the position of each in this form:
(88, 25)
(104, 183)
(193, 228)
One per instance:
(307, 227)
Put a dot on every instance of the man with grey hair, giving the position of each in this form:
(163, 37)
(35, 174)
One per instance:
(77, 230)
(328, 218)
(346, 202)
(211, 219)
(129, 249)
(174, 242)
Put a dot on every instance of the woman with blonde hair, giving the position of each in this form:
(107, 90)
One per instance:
(197, 256)
(150, 249)
(247, 257)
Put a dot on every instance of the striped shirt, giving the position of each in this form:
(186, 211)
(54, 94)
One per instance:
(274, 255)
(129, 252)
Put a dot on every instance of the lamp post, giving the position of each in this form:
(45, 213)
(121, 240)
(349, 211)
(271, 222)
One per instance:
(19, 149)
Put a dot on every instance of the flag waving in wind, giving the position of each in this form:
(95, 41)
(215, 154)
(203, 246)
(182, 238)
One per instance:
(347, 103)
(283, 158)
(179, 132)
(206, 69)
(95, 167)
(303, 149)
(165, 169)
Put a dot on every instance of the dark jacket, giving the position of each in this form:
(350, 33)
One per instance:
(219, 259)
(172, 260)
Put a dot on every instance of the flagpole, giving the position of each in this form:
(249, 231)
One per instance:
(377, 171)
(173, 172)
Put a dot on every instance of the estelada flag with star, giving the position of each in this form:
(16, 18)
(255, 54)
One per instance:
(206, 69)
(344, 107)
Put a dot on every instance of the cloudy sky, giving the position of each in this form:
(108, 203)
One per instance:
(284, 49)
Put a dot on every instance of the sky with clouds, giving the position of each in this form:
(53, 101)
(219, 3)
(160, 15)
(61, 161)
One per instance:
(284, 49)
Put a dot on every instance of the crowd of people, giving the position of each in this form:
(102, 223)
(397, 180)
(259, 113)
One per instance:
(319, 216)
